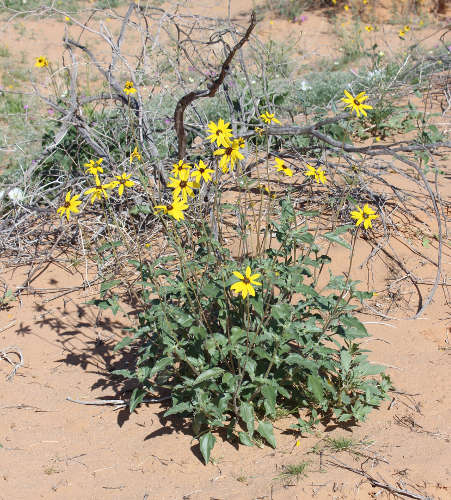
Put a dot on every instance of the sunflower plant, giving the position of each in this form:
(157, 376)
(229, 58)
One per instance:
(235, 336)
(234, 340)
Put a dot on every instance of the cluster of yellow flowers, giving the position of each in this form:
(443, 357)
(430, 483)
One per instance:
(185, 179)
(100, 190)
(230, 151)
(246, 282)
(183, 182)
(346, 6)
(402, 33)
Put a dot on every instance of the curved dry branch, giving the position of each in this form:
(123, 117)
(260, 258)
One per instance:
(187, 99)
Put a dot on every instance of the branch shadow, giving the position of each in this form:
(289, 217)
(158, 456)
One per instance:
(87, 339)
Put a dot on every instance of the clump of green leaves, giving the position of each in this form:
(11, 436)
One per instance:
(294, 471)
(230, 362)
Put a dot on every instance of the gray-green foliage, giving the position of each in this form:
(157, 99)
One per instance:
(231, 363)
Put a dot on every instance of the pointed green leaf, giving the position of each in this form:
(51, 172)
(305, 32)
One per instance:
(210, 374)
(161, 364)
(281, 312)
(336, 239)
(266, 431)
(270, 393)
(315, 387)
(178, 408)
(245, 439)
(136, 398)
(106, 285)
(123, 343)
(353, 327)
(247, 414)
(206, 443)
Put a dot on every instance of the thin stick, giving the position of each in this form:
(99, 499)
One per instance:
(16, 365)
(103, 402)
(9, 325)
(374, 482)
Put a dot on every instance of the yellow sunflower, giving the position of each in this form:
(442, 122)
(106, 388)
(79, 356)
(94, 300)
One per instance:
(202, 172)
(366, 216)
(220, 132)
(129, 88)
(135, 154)
(230, 154)
(174, 209)
(99, 191)
(41, 62)
(179, 167)
(182, 186)
(123, 181)
(317, 173)
(244, 286)
(70, 205)
(280, 165)
(356, 103)
(268, 118)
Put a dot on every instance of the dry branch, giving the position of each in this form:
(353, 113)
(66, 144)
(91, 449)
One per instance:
(374, 482)
(16, 364)
(187, 99)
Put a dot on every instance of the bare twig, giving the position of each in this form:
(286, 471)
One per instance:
(187, 99)
(16, 364)
(375, 483)
(114, 402)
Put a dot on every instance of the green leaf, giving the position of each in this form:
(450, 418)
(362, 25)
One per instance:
(210, 374)
(363, 295)
(257, 303)
(336, 239)
(343, 229)
(281, 312)
(315, 387)
(247, 414)
(199, 423)
(161, 364)
(237, 334)
(266, 431)
(270, 393)
(306, 290)
(136, 398)
(372, 369)
(245, 439)
(354, 328)
(206, 442)
(178, 408)
(107, 285)
(211, 290)
(124, 373)
(297, 359)
(123, 343)
(227, 378)
(251, 366)
(346, 359)
(140, 209)
(107, 246)
(182, 318)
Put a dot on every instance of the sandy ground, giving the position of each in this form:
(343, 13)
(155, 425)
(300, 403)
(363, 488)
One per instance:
(53, 448)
